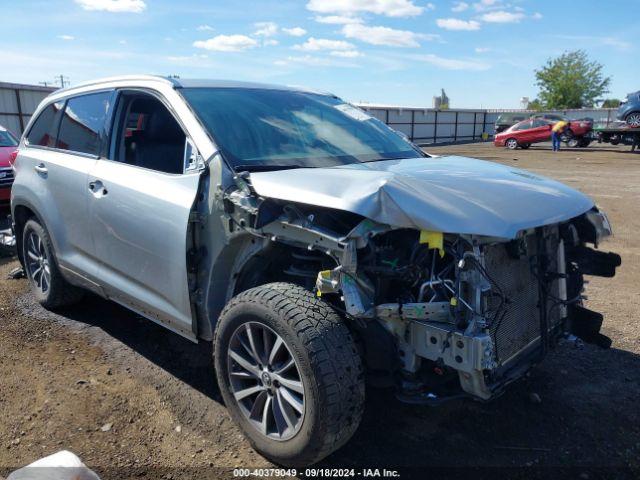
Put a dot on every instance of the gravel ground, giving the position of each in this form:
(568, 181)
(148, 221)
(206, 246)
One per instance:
(134, 400)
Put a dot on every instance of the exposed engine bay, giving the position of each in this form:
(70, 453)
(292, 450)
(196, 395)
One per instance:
(439, 315)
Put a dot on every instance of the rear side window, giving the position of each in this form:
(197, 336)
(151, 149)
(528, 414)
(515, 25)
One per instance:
(523, 126)
(43, 130)
(83, 123)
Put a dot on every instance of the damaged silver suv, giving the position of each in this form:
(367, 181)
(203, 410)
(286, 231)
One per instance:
(315, 246)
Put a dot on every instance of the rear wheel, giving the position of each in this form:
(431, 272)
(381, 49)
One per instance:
(573, 142)
(511, 143)
(48, 285)
(289, 372)
(633, 119)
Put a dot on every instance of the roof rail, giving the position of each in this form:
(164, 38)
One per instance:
(117, 78)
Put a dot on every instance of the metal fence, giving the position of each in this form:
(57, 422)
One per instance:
(428, 126)
(17, 104)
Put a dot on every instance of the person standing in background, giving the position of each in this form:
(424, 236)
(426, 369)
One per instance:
(556, 133)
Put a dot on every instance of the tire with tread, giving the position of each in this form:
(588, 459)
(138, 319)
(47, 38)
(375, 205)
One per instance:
(60, 293)
(329, 363)
(511, 143)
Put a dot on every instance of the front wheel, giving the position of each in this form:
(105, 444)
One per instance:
(289, 372)
(511, 143)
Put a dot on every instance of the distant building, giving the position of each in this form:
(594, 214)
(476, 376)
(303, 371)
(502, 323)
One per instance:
(18, 102)
(441, 102)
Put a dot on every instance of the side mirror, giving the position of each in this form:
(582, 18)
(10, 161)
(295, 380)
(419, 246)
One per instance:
(192, 159)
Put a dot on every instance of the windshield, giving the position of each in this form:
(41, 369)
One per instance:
(7, 140)
(257, 128)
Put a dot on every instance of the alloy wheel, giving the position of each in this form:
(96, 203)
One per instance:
(633, 120)
(37, 262)
(512, 144)
(265, 381)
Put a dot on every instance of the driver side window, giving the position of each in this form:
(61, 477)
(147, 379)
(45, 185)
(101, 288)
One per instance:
(147, 135)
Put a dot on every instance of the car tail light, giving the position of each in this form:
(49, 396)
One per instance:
(12, 158)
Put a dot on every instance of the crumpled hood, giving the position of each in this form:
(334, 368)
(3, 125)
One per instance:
(445, 194)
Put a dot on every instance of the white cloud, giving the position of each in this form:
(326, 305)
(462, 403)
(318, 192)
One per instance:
(389, 8)
(460, 7)
(502, 17)
(265, 29)
(270, 42)
(66, 37)
(313, 61)
(295, 31)
(452, 63)
(615, 42)
(205, 28)
(384, 35)
(430, 6)
(117, 6)
(316, 44)
(227, 43)
(595, 41)
(483, 5)
(537, 16)
(457, 24)
(346, 53)
(337, 19)
(122, 42)
(482, 49)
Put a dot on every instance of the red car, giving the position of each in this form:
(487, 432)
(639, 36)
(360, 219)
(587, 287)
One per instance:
(535, 130)
(8, 149)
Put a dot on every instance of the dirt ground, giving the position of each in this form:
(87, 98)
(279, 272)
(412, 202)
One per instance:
(136, 401)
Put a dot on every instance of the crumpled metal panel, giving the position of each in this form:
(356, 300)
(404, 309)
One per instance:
(446, 194)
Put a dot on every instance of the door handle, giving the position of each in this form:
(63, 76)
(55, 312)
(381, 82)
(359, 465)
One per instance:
(41, 169)
(97, 188)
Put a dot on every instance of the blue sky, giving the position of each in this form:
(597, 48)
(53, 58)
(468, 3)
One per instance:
(401, 52)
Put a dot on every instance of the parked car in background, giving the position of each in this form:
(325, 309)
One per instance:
(552, 117)
(536, 130)
(629, 110)
(8, 149)
(313, 245)
(506, 120)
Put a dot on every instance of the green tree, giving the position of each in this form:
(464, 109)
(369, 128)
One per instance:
(611, 103)
(571, 81)
(536, 105)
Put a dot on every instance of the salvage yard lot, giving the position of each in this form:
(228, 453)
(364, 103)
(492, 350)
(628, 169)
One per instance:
(132, 399)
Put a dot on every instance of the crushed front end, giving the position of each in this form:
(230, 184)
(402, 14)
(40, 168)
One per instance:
(438, 315)
(469, 315)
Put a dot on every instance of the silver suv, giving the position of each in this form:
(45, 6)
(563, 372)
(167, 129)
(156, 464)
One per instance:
(312, 244)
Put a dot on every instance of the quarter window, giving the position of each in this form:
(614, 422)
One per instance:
(43, 130)
(83, 122)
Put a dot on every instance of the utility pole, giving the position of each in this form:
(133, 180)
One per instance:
(45, 84)
(63, 80)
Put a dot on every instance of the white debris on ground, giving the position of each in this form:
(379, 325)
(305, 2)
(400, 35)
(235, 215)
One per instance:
(63, 465)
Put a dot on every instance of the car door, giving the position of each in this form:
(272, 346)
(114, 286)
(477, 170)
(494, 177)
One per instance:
(140, 204)
(62, 148)
(522, 132)
(541, 131)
